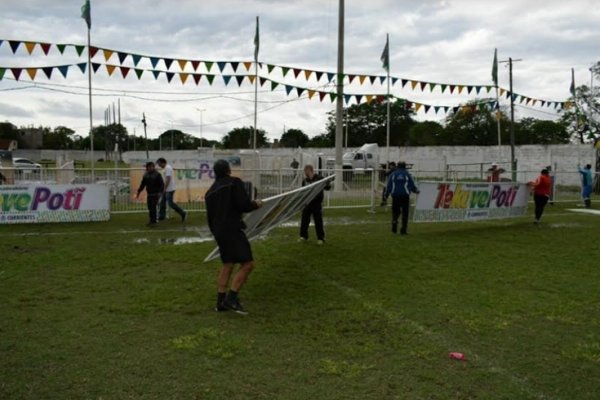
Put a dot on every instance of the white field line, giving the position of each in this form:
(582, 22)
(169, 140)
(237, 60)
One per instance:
(584, 211)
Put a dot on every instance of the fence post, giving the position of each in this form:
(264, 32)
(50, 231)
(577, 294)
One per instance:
(374, 175)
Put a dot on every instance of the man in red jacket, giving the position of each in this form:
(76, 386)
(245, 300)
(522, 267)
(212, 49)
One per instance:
(542, 188)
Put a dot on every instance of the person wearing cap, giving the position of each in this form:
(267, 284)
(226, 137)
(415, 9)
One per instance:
(494, 173)
(169, 192)
(542, 187)
(152, 181)
(400, 185)
(226, 201)
(586, 184)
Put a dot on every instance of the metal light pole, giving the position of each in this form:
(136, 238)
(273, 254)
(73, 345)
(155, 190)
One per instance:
(512, 117)
(145, 135)
(201, 124)
(339, 110)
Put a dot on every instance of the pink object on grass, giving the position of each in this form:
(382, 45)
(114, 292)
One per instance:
(457, 356)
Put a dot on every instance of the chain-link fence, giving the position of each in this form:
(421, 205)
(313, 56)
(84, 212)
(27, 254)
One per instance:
(359, 188)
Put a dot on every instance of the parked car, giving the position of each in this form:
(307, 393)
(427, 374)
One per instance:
(25, 165)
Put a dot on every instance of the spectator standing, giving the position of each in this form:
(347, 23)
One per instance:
(313, 209)
(542, 187)
(400, 185)
(586, 184)
(152, 181)
(169, 192)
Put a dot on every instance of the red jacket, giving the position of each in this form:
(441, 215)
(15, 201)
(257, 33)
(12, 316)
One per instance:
(542, 186)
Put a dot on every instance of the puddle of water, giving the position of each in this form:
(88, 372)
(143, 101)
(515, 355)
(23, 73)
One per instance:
(175, 241)
(566, 225)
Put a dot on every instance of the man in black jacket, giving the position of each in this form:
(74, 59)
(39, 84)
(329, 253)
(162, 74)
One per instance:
(226, 201)
(314, 208)
(154, 184)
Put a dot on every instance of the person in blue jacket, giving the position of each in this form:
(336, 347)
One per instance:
(586, 184)
(400, 185)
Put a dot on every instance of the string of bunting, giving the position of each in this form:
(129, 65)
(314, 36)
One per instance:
(307, 74)
(32, 72)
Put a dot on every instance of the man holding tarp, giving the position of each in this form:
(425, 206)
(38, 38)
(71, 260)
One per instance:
(226, 201)
(313, 209)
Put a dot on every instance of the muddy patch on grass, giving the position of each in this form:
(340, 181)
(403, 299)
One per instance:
(174, 241)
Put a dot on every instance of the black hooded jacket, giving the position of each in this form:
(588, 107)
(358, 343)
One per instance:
(226, 201)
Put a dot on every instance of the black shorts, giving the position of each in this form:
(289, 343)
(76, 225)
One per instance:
(234, 247)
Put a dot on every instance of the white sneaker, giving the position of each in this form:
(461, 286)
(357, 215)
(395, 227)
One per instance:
(301, 239)
(320, 242)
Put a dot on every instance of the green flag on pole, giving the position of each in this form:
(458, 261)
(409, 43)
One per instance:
(87, 14)
(256, 41)
(495, 68)
(385, 56)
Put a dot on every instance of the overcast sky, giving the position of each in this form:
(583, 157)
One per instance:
(446, 41)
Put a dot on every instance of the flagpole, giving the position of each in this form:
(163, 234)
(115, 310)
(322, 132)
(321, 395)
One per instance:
(387, 143)
(256, 44)
(498, 123)
(90, 101)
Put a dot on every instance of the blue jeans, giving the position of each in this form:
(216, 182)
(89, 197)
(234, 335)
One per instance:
(167, 197)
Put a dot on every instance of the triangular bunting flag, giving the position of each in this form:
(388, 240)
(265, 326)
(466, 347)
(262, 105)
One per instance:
(107, 54)
(82, 67)
(423, 86)
(488, 88)
(184, 77)
(284, 71)
(528, 101)
(47, 72)
(300, 91)
(347, 98)
(436, 109)
(361, 79)
(288, 89)
(252, 78)
(210, 78)
(139, 73)
(16, 72)
(274, 85)
(136, 59)
(95, 67)
(502, 91)
(330, 76)
(168, 62)
(543, 103)
(460, 89)
(370, 98)
(408, 105)
(358, 98)
(311, 93)
(394, 80)
(477, 89)
(221, 65)
(247, 65)
(156, 74)
(414, 84)
(195, 64)
(270, 68)
(521, 100)
(296, 72)
(110, 69)
(93, 51)
(197, 78)
(32, 72)
(372, 79)
(262, 81)
(380, 99)
(443, 87)
(322, 96)
(418, 106)
(382, 79)
(64, 69)
(404, 82)
(1, 41)
(208, 65)
(30, 46)
(122, 57)
(234, 65)
(318, 75)
(226, 79)
(307, 74)
(170, 76)
(154, 61)
(469, 89)
(432, 86)
(182, 64)
(332, 97)
(124, 71)
(426, 108)
(351, 78)
(79, 49)
(452, 87)
(14, 45)
(61, 48)
(45, 47)
(240, 79)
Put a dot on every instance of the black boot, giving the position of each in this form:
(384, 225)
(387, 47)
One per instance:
(588, 203)
(394, 226)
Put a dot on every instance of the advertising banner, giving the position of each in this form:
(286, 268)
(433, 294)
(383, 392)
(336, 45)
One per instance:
(451, 201)
(41, 203)
(278, 209)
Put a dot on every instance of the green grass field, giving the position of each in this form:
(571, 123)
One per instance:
(119, 311)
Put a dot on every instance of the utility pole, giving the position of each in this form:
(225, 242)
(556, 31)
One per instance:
(145, 136)
(201, 126)
(512, 117)
(339, 133)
